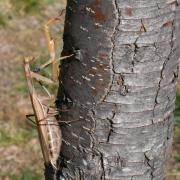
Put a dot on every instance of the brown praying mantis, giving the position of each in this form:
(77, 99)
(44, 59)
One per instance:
(48, 127)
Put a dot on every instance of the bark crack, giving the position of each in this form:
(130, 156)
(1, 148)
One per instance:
(163, 68)
(102, 177)
(149, 162)
(134, 55)
(111, 129)
(158, 6)
(115, 30)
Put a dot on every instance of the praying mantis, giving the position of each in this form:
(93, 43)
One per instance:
(46, 116)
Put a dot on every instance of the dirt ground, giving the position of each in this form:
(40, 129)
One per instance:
(21, 34)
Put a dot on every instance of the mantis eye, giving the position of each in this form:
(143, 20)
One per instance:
(36, 69)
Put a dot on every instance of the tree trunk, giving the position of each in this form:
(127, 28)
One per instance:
(122, 82)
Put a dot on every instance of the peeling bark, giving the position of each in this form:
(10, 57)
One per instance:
(122, 83)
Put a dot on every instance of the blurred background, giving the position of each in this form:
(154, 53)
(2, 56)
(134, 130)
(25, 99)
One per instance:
(21, 34)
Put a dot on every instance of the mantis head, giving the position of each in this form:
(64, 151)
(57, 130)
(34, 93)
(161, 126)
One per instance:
(28, 59)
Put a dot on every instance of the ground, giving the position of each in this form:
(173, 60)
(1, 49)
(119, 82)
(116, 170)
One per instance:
(21, 29)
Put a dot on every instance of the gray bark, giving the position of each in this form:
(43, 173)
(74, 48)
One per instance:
(122, 84)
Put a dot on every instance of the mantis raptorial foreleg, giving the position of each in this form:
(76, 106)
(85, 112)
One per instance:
(51, 48)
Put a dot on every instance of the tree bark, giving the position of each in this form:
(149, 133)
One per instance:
(122, 82)
(50, 173)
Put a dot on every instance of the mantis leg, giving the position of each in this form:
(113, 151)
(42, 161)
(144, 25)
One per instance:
(30, 75)
(31, 120)
(43, 121)
(41, 78)
(51, 61)
(51, 47)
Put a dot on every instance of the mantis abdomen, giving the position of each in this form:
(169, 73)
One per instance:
(49, 134)
(54, 138)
